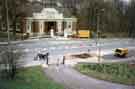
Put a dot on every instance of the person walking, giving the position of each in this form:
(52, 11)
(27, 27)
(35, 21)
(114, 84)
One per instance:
(52, 32)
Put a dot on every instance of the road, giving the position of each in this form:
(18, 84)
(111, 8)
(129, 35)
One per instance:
(58, 48)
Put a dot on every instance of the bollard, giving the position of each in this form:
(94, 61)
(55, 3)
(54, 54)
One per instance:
(47, 61)
(47, 58)
(64, 58)
(88, 50)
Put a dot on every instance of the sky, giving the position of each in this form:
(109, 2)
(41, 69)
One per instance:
(126, 1)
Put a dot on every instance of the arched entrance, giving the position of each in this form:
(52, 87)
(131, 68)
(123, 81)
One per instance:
(49, 26)
(35, 27)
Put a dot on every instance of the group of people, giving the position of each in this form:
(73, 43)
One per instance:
(42, 55)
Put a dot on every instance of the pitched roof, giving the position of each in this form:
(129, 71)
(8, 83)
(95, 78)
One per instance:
(38, 7)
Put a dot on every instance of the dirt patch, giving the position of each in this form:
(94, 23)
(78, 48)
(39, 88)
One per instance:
(82, 55)
(131, 64)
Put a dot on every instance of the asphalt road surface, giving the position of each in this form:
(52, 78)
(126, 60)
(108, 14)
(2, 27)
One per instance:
(58, 48)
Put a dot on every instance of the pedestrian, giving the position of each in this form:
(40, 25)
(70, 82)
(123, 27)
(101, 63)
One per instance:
(68, 31)
(52, 32)
(38, 57)
(88, 50)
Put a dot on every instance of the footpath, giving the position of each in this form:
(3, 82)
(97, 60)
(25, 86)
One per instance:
(71, 79)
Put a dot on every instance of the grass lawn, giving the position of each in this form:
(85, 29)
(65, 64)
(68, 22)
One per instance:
(30, 78)
(4, 36)
(122, 73)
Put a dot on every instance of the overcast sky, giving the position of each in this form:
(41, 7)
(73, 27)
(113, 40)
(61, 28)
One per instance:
(126, 1)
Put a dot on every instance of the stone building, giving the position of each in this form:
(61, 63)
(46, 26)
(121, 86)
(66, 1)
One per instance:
(52, 15)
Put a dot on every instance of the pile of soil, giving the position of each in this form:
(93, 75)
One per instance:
(132, 64)
(83, 55)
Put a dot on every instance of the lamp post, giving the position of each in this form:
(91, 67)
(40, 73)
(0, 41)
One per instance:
(98, 35)
(98, 38)
(9, 65)
(7, 21)
(0, 22)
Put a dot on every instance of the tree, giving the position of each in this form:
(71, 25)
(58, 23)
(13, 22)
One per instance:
(16, 9)
(131, 19)
(111, 20)
(9, 62)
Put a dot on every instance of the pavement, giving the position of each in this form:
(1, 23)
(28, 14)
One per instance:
(71, 79)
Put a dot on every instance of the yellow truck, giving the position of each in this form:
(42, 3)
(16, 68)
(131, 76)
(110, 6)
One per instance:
(121, 52)
(84, 34)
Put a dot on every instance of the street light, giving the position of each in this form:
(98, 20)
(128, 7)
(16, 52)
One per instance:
(126, 1)
(7, 21)
(98, 34)
(0, 21)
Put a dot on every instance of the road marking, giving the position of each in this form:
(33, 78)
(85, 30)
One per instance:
(52, 48)
(74, 47)
(20, 44)
(26, 50)
(66, 47)
(60, 48)
(37, 49)
(44, 49)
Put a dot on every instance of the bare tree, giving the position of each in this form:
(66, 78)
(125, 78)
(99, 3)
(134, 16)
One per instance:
(131, 19)
(17, 9)
(9, 62)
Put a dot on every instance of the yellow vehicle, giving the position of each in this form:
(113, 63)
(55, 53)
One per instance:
(121, 52)
(84, 33)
